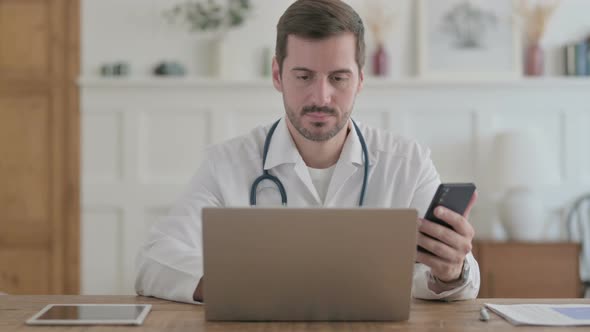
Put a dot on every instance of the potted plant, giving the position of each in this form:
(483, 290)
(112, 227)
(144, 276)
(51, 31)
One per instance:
(212, 19)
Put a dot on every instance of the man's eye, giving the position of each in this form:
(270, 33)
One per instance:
(303, 77)
(339, 78)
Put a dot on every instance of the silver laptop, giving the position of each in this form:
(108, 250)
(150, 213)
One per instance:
(308, 264)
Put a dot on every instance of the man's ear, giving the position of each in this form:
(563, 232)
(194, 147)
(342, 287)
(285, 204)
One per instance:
(276, 75)
(361, 80)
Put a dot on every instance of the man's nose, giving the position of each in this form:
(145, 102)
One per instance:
(322, 92)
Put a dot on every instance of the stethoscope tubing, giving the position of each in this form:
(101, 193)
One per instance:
(267, 176)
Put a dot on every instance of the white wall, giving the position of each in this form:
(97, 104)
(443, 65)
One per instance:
(135, 31)
(143, 139)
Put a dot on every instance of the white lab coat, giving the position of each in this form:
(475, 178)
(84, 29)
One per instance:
(401, 175)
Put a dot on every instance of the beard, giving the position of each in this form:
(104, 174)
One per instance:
(318, 131)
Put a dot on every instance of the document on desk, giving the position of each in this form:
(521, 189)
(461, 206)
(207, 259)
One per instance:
(544, 314)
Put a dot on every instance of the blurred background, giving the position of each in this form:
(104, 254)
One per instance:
(106, 107)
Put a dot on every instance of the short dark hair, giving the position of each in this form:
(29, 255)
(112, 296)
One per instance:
(319, 19)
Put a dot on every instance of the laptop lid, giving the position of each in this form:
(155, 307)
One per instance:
(294, 264)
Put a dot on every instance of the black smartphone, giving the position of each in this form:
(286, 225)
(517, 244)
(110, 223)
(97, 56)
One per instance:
(453, 196)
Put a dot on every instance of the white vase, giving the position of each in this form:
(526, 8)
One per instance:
(215, 57)
(523, 215)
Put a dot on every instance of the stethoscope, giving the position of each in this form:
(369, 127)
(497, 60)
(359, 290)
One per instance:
(277, 182)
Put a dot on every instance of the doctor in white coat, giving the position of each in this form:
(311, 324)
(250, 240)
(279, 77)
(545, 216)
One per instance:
(316, 153)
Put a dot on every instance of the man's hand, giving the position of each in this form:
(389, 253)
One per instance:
(198, 294)
(448, 246)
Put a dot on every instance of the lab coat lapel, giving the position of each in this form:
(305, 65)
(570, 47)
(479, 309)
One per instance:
(350, 162)
(282, 150)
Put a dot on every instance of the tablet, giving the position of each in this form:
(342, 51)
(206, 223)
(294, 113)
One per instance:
(91, 314)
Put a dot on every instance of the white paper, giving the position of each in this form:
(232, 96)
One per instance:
(544, 314)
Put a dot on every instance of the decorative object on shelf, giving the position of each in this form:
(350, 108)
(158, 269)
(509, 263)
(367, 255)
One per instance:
(468, 39)
(534, 60)
(115, 69)
(212, 19)
(380, 60)
(267, 54)
(380, 22)
(583, 58)
(520, 170)
(210, 15)
(577, 58)
(569, 60)
(582, 65)
(172, 68)
(535, 16)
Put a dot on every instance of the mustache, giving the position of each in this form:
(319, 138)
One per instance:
(318, 109)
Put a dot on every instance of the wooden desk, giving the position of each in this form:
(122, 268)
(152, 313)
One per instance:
(172, 316)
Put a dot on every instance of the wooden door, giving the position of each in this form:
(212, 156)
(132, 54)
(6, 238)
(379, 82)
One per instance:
(39, 146)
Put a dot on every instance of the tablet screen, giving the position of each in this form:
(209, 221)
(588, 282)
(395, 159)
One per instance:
(92, 314)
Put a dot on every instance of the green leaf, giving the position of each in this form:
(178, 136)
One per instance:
(209, 14)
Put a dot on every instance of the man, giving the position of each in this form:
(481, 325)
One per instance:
(316, 153)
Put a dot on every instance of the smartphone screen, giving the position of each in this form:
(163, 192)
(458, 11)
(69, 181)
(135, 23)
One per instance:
(453, 196)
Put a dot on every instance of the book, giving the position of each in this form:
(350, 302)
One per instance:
(570, 60)
(581, 58)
